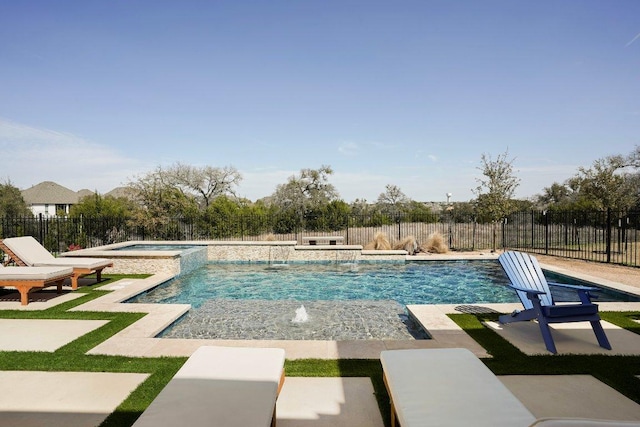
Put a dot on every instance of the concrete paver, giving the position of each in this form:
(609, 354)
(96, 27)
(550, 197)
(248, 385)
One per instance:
(578, 396)
(62, 399)
(42, 335)
(330, 402)
(570, 338)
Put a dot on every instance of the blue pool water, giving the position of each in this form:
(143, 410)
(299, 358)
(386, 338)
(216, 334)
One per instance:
(343, 302)
(447, 282)
(433, 282)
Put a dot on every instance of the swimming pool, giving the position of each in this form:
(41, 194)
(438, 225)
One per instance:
(340, 301)
(432, 282)
(446, 282)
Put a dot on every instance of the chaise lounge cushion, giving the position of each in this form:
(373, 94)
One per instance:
(448, 387)
(34, 273)
(32, 253)
(85, 263)
(582, 422)
(220, 386)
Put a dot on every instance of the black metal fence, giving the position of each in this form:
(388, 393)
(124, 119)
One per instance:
(604, 236)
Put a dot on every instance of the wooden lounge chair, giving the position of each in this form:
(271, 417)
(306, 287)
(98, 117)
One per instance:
(27, 251)
(532, 288)
(220, 386)
(24, 279)
(448, 387)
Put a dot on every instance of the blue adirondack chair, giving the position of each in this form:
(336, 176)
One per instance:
(532, 287)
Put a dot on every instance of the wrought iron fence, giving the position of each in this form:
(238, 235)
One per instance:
(603, 236)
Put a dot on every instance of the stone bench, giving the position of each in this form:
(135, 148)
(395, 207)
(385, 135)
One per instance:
(323, 240)
(225, 386)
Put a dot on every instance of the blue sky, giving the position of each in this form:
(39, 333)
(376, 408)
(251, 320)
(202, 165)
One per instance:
(409, 93)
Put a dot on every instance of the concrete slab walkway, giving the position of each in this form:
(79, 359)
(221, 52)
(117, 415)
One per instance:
(43, 335)
(62, 399)
(327, 402)
(570, 338)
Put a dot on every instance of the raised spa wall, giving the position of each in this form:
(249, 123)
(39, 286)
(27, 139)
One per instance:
(180, 262)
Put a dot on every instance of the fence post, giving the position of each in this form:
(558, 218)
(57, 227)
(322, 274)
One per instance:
(608, 236)
(504, 227)
(348, 225)
(532, 229)
(546, 232)
(40, 230)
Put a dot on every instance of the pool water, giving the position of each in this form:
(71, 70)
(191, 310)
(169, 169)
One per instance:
(447, 282)
(341, 301)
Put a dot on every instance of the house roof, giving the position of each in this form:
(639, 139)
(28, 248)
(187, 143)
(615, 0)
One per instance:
(124, 192)
(49, 192)
(84, 193)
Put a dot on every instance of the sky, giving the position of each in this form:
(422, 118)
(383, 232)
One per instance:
(94, 94)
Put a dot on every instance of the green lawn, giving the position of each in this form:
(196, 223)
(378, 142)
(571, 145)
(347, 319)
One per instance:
(616, 371)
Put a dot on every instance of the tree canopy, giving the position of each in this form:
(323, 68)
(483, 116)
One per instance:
(308, 190)
(11, 202)
(611, 182)
(496, 189)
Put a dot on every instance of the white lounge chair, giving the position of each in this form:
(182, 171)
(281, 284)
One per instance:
(27, 251)
(220, 386)
(448, 387)
(452, 387)
(24, 279)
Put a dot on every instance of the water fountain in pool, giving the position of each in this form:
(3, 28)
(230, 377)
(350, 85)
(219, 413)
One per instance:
(301, 315)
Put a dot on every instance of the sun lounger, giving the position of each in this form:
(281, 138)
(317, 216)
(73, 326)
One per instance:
(582, 422)
(24, 279)
(448, 387)
(220, 386)
(27, 251)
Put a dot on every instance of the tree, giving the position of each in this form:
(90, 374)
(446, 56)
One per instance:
(393, 200)
(103, 219)
(555, 195)
(310, 190)
(495, 191)
(606, 185)
(205, 183)
(95, 205)
(11, 202)
(158, 200)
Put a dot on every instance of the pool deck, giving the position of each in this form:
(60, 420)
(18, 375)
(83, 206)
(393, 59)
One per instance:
(313, 402)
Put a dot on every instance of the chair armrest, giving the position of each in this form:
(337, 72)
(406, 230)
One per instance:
(576, 287)
(584, 292)
(527, 290)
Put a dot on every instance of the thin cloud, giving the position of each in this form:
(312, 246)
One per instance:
(633, 40)
(432, 157)
(349, 148)
(39, 154)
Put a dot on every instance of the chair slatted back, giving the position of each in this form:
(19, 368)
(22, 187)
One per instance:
(524, 271)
